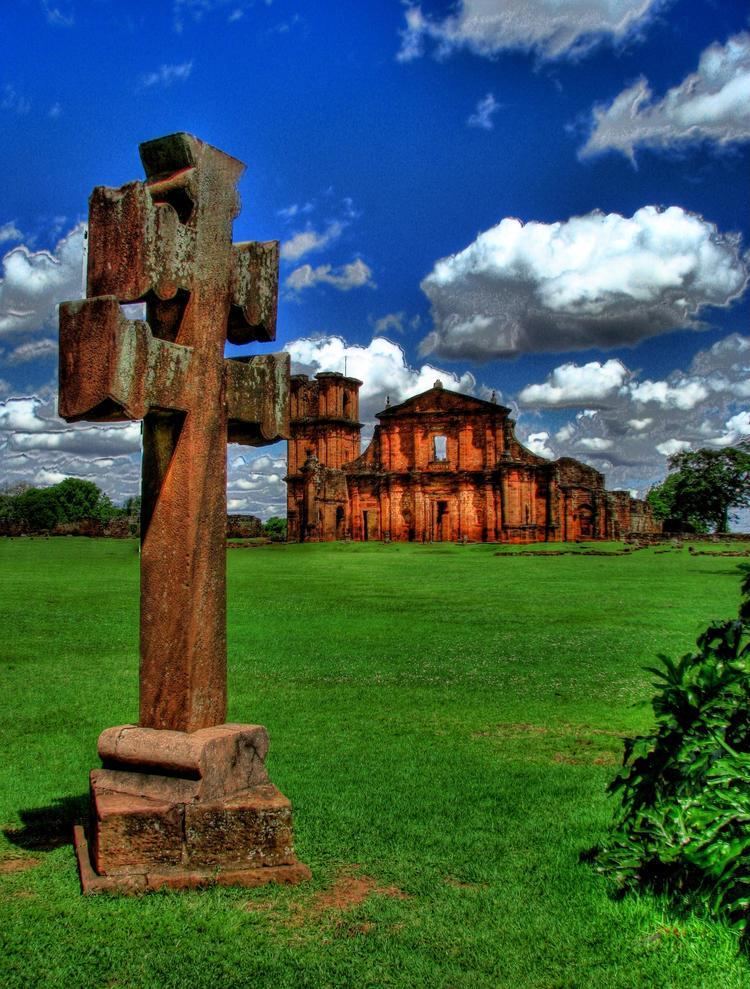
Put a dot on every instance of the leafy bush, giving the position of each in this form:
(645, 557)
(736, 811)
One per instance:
(668, 508)
(275, 528)
(683, 826)
(703, 486)
(71, 500)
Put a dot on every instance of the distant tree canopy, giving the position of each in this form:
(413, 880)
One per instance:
(663, 499)
(703, 486)
(275, 527)
(132, 506)
(40, 509)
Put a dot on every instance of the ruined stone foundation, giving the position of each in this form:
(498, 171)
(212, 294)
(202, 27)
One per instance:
(185, 809)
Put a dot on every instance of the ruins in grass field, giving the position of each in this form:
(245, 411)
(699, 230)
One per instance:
(441, 466)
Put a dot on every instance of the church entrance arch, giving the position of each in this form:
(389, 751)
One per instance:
(584, 522)
(441, 528)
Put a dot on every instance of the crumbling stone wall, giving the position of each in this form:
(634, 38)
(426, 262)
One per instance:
(628, 516)
(244, 527)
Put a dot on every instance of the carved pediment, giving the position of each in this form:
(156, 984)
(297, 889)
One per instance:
(441, 400)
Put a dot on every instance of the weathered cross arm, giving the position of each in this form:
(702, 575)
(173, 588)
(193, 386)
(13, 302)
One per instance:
(255, 292)
(151, 243)
(149, 246)
(257, 398)
(113, 369)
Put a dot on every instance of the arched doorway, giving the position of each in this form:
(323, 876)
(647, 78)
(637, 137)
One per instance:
(584, 520)
(441, 526)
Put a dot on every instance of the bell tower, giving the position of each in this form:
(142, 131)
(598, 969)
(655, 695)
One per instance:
(324, 434)
(324, 418)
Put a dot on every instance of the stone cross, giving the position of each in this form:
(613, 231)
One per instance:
(167, 242)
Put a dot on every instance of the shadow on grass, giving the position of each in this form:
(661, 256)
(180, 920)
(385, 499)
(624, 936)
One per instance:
(45, 828)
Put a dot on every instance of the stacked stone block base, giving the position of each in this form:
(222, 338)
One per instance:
(183, 810)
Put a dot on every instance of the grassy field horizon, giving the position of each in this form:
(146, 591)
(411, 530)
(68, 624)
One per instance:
(445, 720)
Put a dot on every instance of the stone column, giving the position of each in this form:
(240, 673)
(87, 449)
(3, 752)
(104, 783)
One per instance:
(356, 514)
(385, 512)
(420, 523)
(490, 518)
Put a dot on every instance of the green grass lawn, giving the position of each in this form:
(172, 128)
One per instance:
(445, 720)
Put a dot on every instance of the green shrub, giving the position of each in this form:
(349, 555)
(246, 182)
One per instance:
(683, 826)
(41, 509)
(275, 528)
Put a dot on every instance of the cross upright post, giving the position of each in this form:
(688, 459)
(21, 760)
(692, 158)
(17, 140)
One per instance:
(182, 796)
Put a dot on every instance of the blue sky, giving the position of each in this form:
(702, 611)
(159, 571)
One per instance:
(548, 199)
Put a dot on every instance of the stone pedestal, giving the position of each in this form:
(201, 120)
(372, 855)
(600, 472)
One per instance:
(185, 809)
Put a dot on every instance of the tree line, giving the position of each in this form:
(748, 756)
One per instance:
(33, 509)
(74, 502)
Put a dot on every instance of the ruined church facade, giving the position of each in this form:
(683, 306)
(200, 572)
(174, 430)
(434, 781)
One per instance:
(441, 466)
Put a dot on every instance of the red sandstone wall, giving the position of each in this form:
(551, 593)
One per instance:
(324, 413)
(486, 487)
(324, 417)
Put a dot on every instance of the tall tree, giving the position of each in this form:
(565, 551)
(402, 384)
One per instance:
(79, 499)
(663, 500)
(704, 485)
(38, 509)
(71, 500)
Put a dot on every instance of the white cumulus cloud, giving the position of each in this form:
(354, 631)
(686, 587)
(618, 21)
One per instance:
(737, 429)
(483, 115)
(391, 321)
(36, 447)
(255, 484)
(34, 350)
(576, 385)
(683, 393)
(599, 280)
(295, 209)
(549, 28)
(711, 104)
(308, 240)
(167, 75)
(92, 440)
(356, 274)
(34, 282)
(538, 443)
(670, 447)
(595, 443)
(640, 422)
(381, 366)
(20, 414)
(31, 423)
(9, 231)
